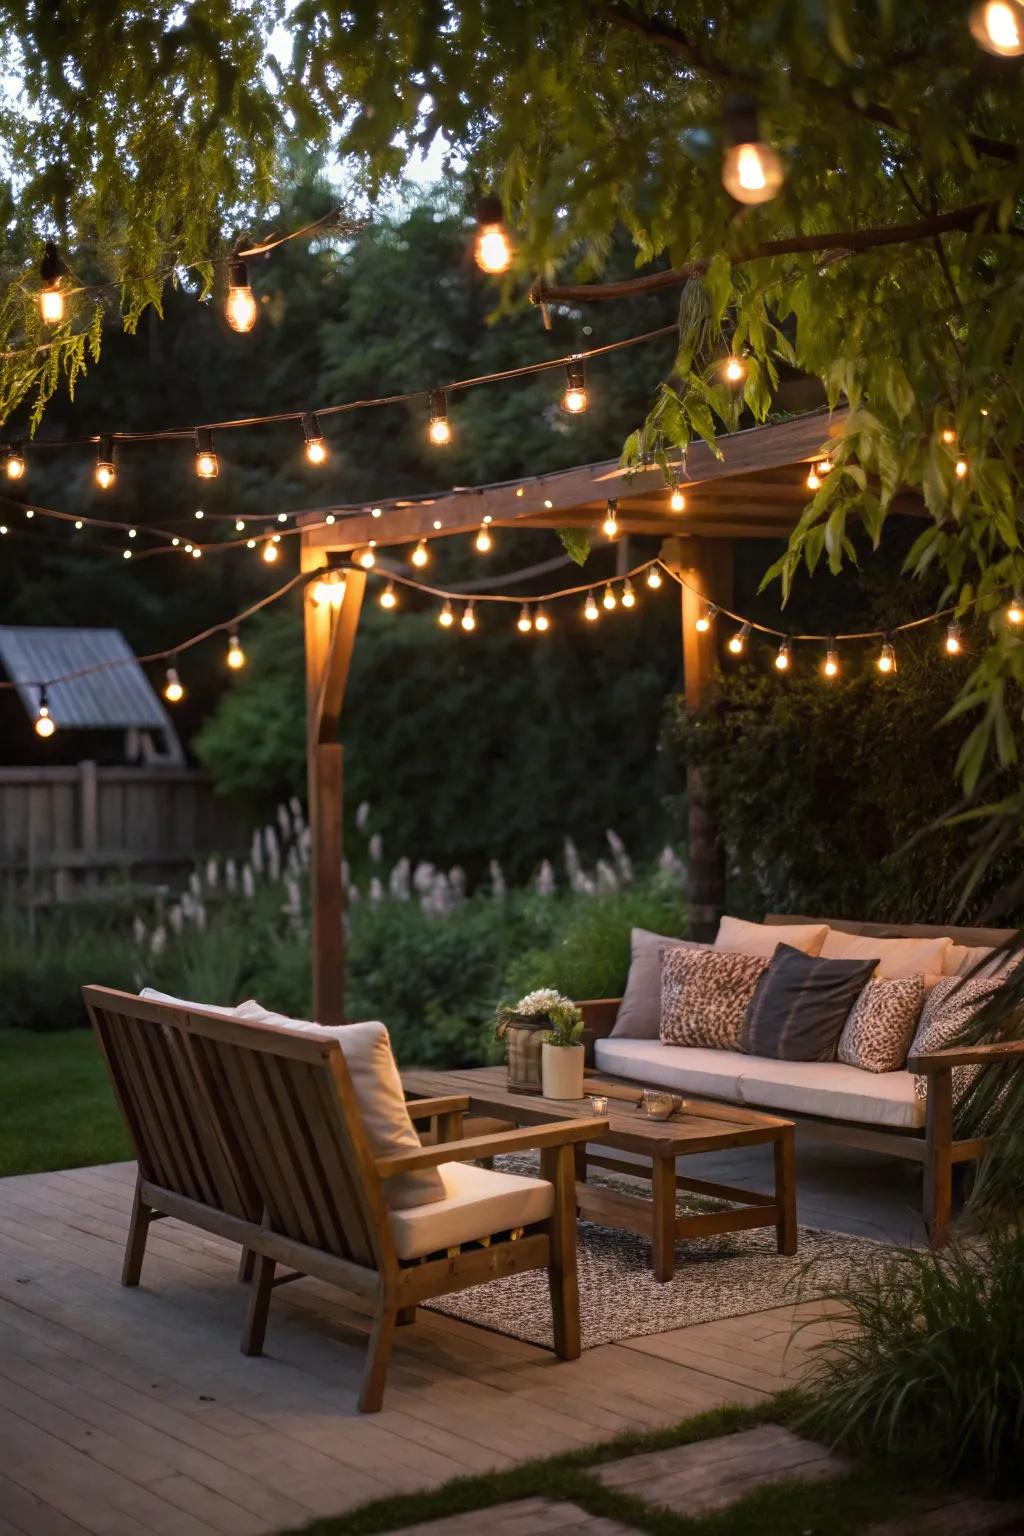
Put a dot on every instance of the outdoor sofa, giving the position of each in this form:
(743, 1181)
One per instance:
(879, 1111)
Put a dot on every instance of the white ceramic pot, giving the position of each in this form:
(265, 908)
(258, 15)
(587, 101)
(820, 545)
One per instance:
(561, 1070)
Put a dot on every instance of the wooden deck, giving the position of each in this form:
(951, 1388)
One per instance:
(126, 1412)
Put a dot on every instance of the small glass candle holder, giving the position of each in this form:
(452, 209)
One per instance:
(599, 1103)
(656, 1105)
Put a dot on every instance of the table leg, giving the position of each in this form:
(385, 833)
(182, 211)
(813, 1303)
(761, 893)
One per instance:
(785, 1190)
(663, 1216)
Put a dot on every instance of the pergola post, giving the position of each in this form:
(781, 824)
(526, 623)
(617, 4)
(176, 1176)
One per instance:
(330, 637)
(706, 566)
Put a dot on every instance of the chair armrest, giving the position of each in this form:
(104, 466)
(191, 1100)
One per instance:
(448, 1104)
(558, 1133)
(598, 1022)
(967, 1055)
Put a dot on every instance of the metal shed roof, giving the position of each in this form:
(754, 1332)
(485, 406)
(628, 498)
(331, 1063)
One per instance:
(107, 698)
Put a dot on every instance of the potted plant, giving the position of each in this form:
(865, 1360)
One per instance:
(562, 1051)
(542, 1032)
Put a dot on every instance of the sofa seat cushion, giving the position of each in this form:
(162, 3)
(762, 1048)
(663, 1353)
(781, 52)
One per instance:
(478, 1202)
(827, 1089)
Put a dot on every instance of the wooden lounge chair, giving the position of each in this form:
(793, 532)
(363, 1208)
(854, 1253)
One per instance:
(253, 1132)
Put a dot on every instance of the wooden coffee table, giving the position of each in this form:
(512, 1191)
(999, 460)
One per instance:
(700, 1126)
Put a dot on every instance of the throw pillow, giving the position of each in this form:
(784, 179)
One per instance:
(952, 1004)
(876, 1037)
(704, 996)
(639, 1015)
(800, 1006)
(743, 938)
(895, 957)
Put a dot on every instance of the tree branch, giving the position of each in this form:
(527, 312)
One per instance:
(795, 245)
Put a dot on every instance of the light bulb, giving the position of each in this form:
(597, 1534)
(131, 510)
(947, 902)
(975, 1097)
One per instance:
(830, 666)
(14, 465)
(575, 400)
(813, 481)
(174, 692)
(366, 558)
(739, 640)
(541, 622)
(446, 617)
(998, 26)
(51, 308)
(106, 472)
(80, 525)
(196, 552)
(388, 598)
(483, 540)
(825, 466)
(240, 308)
(735, 370)
(960, 469)
(492, 249)
(782, 657)
(235, 656)
(753, 172)
(316, 447)
(524, 623)
(51, 271)
(30, 512)
(954, 644)
(628, 595)
(330, 588)
(282, 517)
(1015, 612)
(609, 600)
(948, 436)
(207, 467)
(677, 501)
(469, 617)
(420, 555)
(249, 543)
(126, 554)
(270, 551)
(610, 526)
(133, 533)
(45, 725)
(703, 624)
(590, 610)
(886, 662)
(440, 431)
(653, 578)
(239, 524)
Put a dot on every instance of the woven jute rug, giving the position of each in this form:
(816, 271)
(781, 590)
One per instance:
(724, 1276)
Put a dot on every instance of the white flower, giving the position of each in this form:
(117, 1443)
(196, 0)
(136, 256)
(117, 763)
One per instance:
(273, 852)
(376, 847)
(363, 815)
(195, 885)
(607, 880)
(423, 878)
(623, 862)
(541, 1002)
(176, 918)
(248, 882)
(231, 876)
(158, 941)
(544, 884)
(457, 881)
(671, 864)
(256, 853)
(498, 887)
(398, 881)
(284, 821)
(212, 872)
(139, 931)
(376, 891)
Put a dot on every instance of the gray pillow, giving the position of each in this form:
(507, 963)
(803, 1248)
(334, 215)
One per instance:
(639, 1015)
(800, 1006)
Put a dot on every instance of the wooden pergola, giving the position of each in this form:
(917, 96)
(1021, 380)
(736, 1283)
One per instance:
(756, 490)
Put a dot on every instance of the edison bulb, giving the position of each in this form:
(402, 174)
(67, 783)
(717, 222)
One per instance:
(590, 611)
(782, 658)
(270, 551)
(609, 600)
(446, 617)
(240, 308)
(752, 173)
(440, 431)
(206, 465)
(886, 662)
(105, 475)
(366, 558)
(483, 541)
(960, 469)
(677, 501)
(45, 723)
(316, 450)
(236, 656)
(524, 623)
(628, 595)
(654, 578)
(1015, 612)
(813, 481)
(735, 370)
(953, 643)
(174, 691)
(420, 556)
(51, 309)
(831, 665)
(998, 26)
(542, 622)
(610, 526)
(388, 598)
(469, 618)
(493, 251)
(15, 466)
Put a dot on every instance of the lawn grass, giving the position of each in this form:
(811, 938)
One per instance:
(56, 1107)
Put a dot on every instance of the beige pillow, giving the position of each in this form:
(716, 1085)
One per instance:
(959, 959)
(378, 1089)
(741, 938)
(896, 957)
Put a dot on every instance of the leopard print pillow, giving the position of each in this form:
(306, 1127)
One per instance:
(878, 1032)
(951, 1005)
(705, 994)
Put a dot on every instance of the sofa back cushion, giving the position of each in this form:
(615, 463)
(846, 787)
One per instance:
(378, 1090)
(743, 938)
(951, 1005)
(895, 957)
(800, 1005)
(639, 1015)
(876, 1037)
(705, 995)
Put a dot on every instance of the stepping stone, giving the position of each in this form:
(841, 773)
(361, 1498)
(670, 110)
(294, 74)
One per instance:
(958, 1517)
(526, 1517)
(691, 1479)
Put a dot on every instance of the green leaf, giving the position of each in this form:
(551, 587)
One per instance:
(576, 543)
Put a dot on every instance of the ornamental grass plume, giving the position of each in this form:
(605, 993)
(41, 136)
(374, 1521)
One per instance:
(544, 884)
(623, 862)
(499, 888)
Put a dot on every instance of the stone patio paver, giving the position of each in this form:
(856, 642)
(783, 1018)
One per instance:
(958, 1517)
(690, 1479)
(524, 1517)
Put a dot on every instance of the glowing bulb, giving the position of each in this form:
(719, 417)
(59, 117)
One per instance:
(575, 400)
(998, 26)
(948, 436)
(330, 589)
(653, 578)
(420, 555)
(752, 173)
(524, 623)
(200, 514)
(469, 617)
(366, 558)
(492, 249)
(133, 533)
(782, 658)
(739, 640)
(735, 370)
(175, 541)
(886, 662)
(174, 691)
(270, 551)
(239, 525)
(249, 543)
(830, 666)
(207, 467)
(1015, 612)
(240, 308)
(80, 525)
(813, 480)
(30, 512)
(14, 465)
(677, 501)
(196, 552)
(45, 724)
(106, 472)
(610, 526)
(235, 656)
(628, 595)
(282, 517)
(330, 518)
(960, 469)
(703, 624)
(51, 308)
(590, 610)
(825, 466)
(316, 447)
(954, 644)
(483, 541)
(126, 554)
(446, 617)
(541, 622)
(51, 300)
(440, 431)
(388, 598)
(609, 599)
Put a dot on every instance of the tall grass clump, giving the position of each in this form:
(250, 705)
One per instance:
(927, 1369)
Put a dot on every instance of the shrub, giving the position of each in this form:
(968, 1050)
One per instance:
(44, 966)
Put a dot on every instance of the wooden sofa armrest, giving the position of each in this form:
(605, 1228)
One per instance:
(558, 1133)
(599, 1015)
(966, 1055)
(447, 1104)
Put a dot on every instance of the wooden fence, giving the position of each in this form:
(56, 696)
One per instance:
(71, 832)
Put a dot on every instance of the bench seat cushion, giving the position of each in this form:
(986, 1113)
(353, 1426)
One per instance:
(828, 1089)
(478, 1202)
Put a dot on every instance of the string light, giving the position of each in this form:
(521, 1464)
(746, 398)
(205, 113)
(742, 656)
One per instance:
(492, 248)
(676, 501)
(483, 541)
(51, 299)
(106, 472)
(524, 623)
(199, 514)
(886, 662)
(420, 555)
(960, 469)
(270, 551)
(609, 600)
(282, 517)
(14, 464)
(541, 622)
(1015, 612)
(610, 526)
(704, 623)
(948, 436)
(440, 431)
(752, 171)
(80, 525)
(468, 617)
(590, 609)
(830, 666)
(126, 554)
(366, 558)
(240, 308)
(735, 370)
(330, 588)
(316, 447)
(653, 578)
(45, 724)
(446, 617)
(954, 643)
(29, 513)
(628, 595)
(236, 656)
(133, 533)
(174, 690)
(813, 479)
(783, 657)
(825, 466)
(739, 639)
(387, 597)
(239, 524)
(575, 400)
(207, 467)
(998, 27)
